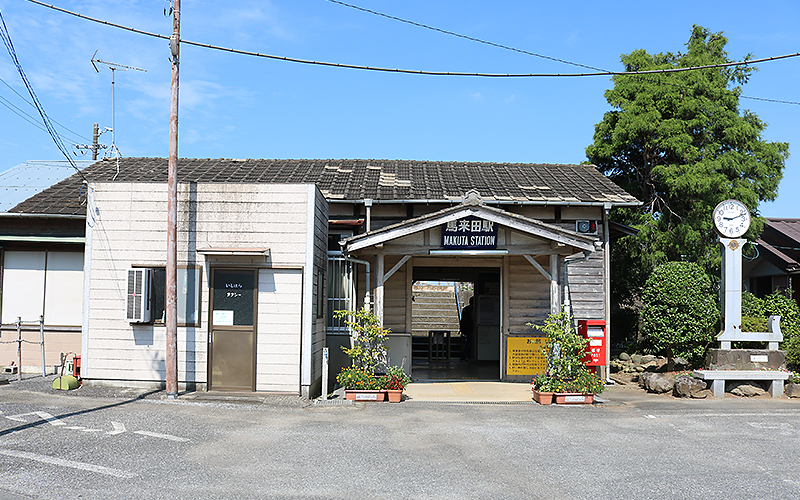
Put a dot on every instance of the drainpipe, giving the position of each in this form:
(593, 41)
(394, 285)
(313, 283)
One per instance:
(368, 206)
(567, 304)
(366, 263)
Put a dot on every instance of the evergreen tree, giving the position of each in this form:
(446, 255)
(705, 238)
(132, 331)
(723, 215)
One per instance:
(680, 144)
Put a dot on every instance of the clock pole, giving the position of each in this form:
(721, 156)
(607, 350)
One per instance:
(731, 290)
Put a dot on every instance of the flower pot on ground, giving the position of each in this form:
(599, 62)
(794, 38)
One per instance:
(565, 374)
(395, 382)
(365, 395)
(543, 398)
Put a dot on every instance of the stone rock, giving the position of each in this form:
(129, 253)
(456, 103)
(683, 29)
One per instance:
(745, 389)
(792, 390)
(659, 383)
(636, 358)
(680, 363)
(639, 368)
(649, 367)
(686, 386)
(624, 356)
(643, 379)
(647, 359)
(705, 393)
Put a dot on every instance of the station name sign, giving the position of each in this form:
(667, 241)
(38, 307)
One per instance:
(469, 233)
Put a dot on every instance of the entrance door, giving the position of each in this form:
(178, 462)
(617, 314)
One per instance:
(232, 350)
(487, 315)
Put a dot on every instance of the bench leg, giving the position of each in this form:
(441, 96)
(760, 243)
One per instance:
(776, 388)
(718, 388)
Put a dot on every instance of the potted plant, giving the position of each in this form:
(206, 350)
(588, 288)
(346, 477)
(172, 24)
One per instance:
(366, 353)
(359, 384)
(566, 375)
(394, 382)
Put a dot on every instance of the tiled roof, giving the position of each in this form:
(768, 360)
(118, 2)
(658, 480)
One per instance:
(780, 243)
(380, 180)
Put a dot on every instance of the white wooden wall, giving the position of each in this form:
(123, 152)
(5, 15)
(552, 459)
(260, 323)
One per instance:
(129, 229)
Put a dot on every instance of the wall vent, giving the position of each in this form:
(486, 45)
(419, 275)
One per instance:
(138, 296)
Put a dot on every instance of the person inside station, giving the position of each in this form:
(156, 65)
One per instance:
(467, 325)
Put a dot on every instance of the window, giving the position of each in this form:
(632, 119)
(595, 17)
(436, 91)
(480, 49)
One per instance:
(341, 291)
(188, 282)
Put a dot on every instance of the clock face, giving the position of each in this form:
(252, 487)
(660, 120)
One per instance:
(731, 218)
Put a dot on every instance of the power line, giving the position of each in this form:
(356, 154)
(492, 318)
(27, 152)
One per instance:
(45, 119)
(420, 72)
(506, 47)
(31, 105)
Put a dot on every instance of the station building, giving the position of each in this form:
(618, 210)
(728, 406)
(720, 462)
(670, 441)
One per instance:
(268, 249)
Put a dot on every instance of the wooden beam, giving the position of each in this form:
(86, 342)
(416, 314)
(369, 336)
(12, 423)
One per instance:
(538, 267)
(396, 268)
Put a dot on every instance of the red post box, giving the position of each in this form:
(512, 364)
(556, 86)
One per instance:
(595, 331)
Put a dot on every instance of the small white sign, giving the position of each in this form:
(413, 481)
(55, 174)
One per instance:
(223, 318)
(574, 399)
(596, 343)
(759, 358)
(373, 396)
(595, 332)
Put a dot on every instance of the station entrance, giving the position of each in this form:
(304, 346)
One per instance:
(456, 324)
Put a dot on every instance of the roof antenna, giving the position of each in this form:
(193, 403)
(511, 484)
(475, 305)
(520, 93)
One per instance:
(113, 67)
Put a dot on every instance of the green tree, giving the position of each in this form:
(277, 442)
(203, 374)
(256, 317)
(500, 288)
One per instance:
(680, 313)
(680, 144)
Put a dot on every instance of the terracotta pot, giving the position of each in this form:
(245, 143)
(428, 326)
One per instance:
(359, 395)
(543, 398)
(573, 398)
(395, 395)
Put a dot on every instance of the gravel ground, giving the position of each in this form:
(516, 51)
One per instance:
(37, 383)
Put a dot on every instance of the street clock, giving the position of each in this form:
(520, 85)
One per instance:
(731, 218)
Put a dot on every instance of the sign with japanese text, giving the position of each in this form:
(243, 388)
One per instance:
(469, 233)
(524, 355)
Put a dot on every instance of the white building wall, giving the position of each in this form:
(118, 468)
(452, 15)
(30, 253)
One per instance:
(129, 229)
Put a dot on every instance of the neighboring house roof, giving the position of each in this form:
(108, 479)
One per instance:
(780, 243)
(26, 179)
(384, 181)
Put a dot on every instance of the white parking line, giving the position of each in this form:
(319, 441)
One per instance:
(41, 414)
(162, 436)
(108, 471)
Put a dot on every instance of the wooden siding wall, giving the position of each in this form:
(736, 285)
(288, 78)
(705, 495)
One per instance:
(528, 295)
(320, 272)
(586, 287)
(129, 230)
(394, 311)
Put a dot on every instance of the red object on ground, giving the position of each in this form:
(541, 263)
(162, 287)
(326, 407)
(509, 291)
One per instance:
(595, 331)
(76, 367)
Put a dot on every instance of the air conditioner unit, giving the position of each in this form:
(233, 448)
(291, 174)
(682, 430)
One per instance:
(586, 226)
(138, 296)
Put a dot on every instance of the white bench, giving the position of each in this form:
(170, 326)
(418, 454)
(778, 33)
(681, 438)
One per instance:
(719, 377)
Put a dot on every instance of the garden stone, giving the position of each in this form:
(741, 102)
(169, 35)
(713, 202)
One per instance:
(746, 390)
(624, 356)
(643, 377)
(639, 368)
(636, 358)
(792, 390)
(705, 393)
(650, 367)
(647, 359)
(680, 362)
(686, 386)
(660, 383)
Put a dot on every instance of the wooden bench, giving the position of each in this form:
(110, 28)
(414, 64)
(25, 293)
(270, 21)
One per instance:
(719, 377)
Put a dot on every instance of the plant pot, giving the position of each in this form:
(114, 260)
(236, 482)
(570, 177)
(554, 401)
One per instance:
(394, 395)
(363, 395)
(543, 398)
(573, 398)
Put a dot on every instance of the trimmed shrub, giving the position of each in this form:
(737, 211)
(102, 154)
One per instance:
(680, 312)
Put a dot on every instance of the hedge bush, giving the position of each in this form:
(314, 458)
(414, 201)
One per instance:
(680, 314)
(781, 304)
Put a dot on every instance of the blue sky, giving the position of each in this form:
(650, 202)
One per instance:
(235, 106)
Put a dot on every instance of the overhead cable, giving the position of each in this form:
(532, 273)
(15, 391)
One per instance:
(414, 71)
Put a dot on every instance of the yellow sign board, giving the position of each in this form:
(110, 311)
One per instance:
(524, 355)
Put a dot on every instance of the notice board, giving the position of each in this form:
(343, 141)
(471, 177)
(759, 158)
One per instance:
(524, 355)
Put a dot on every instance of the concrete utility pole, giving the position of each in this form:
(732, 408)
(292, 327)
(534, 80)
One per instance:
(96, 146)
(172, 215)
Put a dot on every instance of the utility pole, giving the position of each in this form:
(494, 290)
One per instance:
(171, 309)
(96, 146)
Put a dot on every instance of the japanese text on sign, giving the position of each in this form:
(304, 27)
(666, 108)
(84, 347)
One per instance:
(469, 233)
(524, 355)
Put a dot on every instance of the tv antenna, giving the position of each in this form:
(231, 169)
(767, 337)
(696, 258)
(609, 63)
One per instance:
(113, 67)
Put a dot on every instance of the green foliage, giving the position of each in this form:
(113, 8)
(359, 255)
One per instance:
(565, 351)
(357, 378)
(679, 143)
(778, 303)
(680, 313)
(367, 336)
(395, 379)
